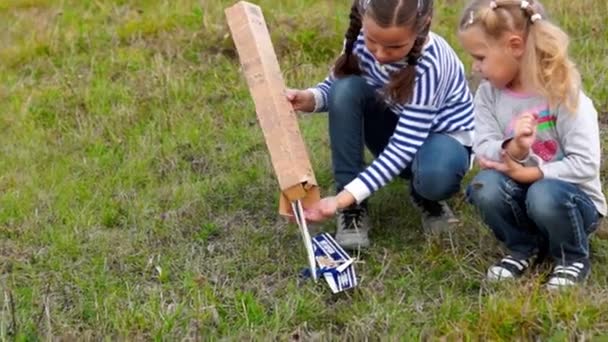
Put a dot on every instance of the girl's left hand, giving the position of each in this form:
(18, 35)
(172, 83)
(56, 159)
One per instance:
(513, 169)
(508, 166)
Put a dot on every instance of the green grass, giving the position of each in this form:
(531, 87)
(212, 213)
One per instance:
(137, 199)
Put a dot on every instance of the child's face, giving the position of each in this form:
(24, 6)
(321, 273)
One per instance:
(494, 59)
(389, 44)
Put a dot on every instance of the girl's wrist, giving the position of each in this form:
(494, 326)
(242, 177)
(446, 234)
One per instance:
(344, 199)
(520, 160)
(515, 151)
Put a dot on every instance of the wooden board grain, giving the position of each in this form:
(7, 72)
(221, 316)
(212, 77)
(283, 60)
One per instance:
(275, 114)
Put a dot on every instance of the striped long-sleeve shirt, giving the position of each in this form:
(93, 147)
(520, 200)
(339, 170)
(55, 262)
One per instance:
(441, 103)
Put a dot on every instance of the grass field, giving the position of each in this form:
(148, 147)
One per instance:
(137, 199)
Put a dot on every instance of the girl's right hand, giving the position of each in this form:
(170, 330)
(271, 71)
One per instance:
(301, 100)
(525, 130)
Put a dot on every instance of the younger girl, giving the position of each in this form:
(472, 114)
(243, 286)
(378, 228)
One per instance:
(537, 139)
(400, 90)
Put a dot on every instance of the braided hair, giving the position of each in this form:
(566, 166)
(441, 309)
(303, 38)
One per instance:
(388, 13)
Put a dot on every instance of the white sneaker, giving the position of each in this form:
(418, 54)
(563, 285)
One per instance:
(569, 274)
(508, 268)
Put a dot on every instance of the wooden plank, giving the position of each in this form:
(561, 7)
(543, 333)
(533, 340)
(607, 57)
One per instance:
(275, 114)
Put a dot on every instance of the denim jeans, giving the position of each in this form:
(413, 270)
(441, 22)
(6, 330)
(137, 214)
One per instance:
(358, 117)
(548, 215)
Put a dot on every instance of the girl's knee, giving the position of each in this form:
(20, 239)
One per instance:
(347, 90)
(543, 199)
(437, 184)
(487, 189)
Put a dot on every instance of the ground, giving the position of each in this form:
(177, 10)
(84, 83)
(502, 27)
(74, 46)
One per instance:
(137, 199)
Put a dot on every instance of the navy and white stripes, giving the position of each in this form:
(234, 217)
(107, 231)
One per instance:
(441, 103)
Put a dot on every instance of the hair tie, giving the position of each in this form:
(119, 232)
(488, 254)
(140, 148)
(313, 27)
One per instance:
(412, 60)
(536, 16)
(524, 4)
(493, 5)
(471, 18)
(364, 3)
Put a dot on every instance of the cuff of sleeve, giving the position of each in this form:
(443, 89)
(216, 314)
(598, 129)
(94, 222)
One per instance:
(548, 171)
(358, 189)
(533, 160)
(492, 151)
(319, 100)
(505, 142)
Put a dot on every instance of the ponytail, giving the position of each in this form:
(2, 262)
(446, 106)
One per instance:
(546, 65)
(548, 68)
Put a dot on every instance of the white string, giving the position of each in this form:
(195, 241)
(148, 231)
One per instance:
(298, 212)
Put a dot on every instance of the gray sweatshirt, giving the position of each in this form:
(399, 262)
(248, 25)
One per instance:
(567, 145)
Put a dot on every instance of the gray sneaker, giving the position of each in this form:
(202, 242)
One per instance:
(602, 229)
(440, 223)
(353, 228)
(437, 217)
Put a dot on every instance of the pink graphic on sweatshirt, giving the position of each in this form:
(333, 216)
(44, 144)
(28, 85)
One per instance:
(542, 114)
(545, 149)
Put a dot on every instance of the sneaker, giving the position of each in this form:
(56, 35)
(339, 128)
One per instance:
(437, 217)
(569, 274)
(508, 268)
(353, 227)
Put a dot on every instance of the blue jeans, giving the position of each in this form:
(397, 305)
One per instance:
(358, 117)
(548, 215)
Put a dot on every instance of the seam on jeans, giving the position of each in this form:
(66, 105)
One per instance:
(415, 165)
(511, 190)
(576, 221)
(586, 201)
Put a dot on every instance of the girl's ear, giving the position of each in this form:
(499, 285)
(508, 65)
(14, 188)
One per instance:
(516, 45)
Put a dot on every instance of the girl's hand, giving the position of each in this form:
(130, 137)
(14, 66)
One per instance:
(484, 163)
(513, 169)
(507, 166)
(322, 210)
(525, 131)
(301, 100)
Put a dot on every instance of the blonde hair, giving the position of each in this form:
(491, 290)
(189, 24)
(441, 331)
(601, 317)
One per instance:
(546, 65)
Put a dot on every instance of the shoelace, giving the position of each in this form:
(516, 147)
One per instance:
(352, 218)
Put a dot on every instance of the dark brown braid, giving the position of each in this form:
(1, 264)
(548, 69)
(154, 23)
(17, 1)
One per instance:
(388, 13)
(401, 85)
(347, 63)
